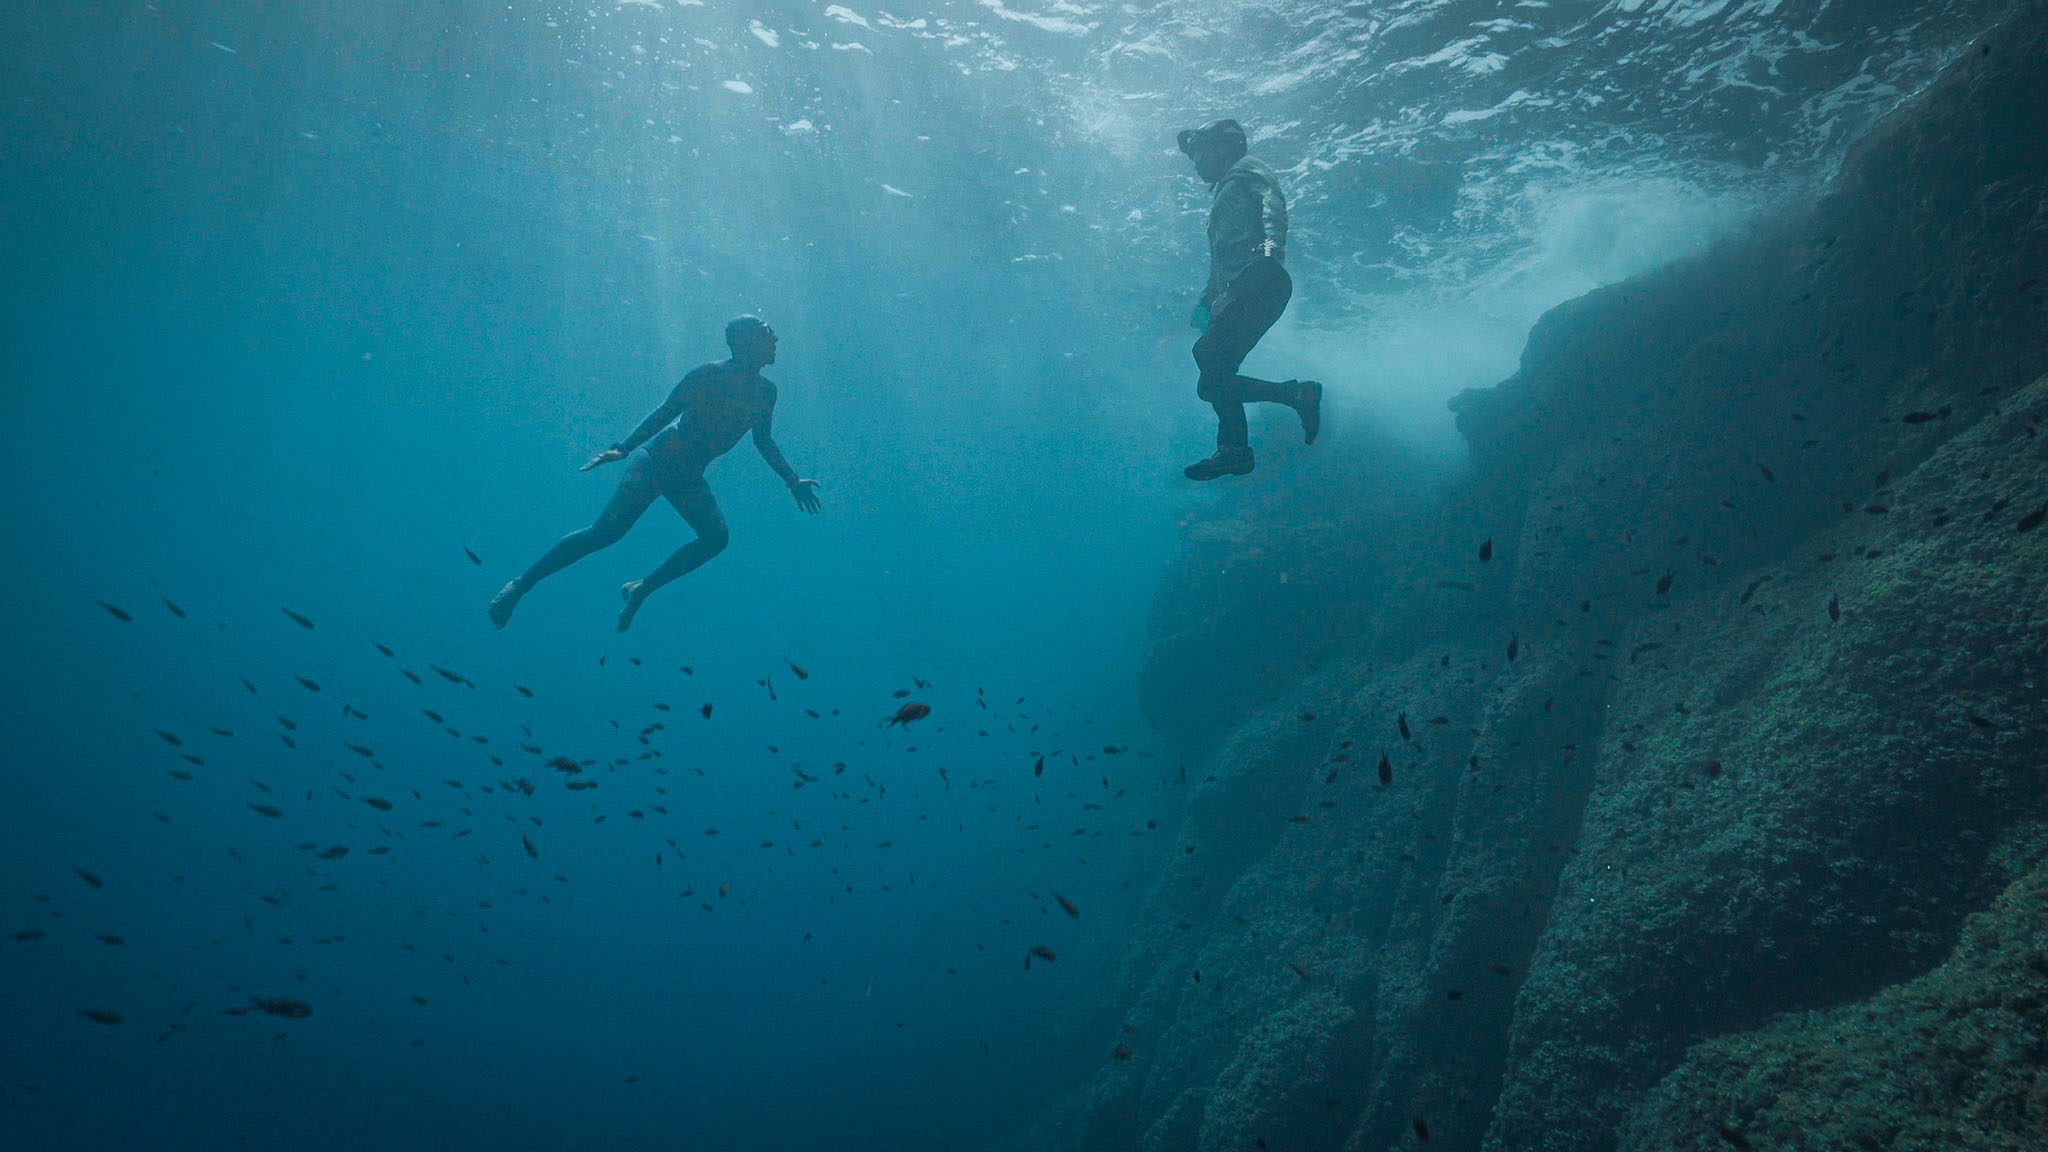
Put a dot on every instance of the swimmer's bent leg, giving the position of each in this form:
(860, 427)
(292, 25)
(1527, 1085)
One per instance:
(692, 498)
(637, 489)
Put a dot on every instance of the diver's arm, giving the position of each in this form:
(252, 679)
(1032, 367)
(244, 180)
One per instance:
(656, 420)
(803, 491)
(1271, 211)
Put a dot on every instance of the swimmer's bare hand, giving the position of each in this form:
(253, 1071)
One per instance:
(604, 457)
(806, 494)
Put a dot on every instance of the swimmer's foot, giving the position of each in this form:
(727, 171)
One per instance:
(630, 590)
(1309, 406)
(1226, 462)
(505, 601)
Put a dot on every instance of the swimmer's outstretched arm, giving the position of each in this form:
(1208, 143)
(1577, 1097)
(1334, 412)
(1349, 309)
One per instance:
(805, 492)
(656, 420)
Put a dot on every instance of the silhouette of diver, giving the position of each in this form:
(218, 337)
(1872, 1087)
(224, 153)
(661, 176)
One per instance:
(701, 420)
(1248, 290)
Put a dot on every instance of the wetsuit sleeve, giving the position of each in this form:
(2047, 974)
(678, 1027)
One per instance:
(661, 417)
(1272, 220)
(764, 441)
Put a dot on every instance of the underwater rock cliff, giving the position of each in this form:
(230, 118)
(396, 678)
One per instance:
(1708, 810)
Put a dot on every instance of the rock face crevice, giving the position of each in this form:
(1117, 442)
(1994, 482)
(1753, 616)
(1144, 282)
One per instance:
(1708, 765)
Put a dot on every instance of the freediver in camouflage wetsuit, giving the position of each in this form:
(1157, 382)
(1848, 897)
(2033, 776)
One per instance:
(701, 420)
(1248, 290)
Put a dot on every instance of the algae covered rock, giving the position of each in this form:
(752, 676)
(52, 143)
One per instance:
(1956, 1059)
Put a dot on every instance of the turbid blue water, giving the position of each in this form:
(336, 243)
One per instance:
(305, 305)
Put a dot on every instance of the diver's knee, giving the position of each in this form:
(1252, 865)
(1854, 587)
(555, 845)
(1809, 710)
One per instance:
(1211, 386)
(715, 539)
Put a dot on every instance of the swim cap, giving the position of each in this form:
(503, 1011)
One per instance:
(1226, 134)
(742, 326)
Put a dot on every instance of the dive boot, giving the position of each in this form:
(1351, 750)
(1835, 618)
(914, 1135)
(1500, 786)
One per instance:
(1310, 408)
(1226, 462)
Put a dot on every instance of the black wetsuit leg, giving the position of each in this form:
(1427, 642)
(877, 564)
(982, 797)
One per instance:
(1248, 308)
(692, 497)
(637, 490)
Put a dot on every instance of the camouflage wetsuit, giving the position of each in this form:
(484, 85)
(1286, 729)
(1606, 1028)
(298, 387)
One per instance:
(1248, 290)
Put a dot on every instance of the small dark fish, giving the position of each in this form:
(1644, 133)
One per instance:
(382, 648)
(116, 613)
(1038, 769)
(360, 750)
(523, 690)
(1514, 646)
(175, 610)
(266, 810)
(111, 941)
(899, 694)
(1664, 583)
(334, 853)
(431, 715)
(1639, 649)
(411, 675)
(1486, 550)
(1767, 473)
(1883, 478)
(1402, 720)
(797, 668)
(473, 557)
(378, 802)
(309, 685)
(2031, 520)
(530, 849)
(1834, 608)
(1753, 586)
(1067, 906)
(301, 621)
(446, 674)
(1713, 769)
(1386, 769)
(170, 739)
(1421, 1130)
(1043, 953)
(289, 1007)
(909, 712)
(706, 710)
(100, 1016)
(1916, 417)
(91, 880)
(27, 935)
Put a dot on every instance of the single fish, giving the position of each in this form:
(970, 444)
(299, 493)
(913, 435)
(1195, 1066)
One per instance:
(1067, 906)
(912, 710)
(116, 613)
(91, 880)
(1402, 720)
(378, 802)
(1486, 550)
(1386, 769)
(301, 621)
(266, 810)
